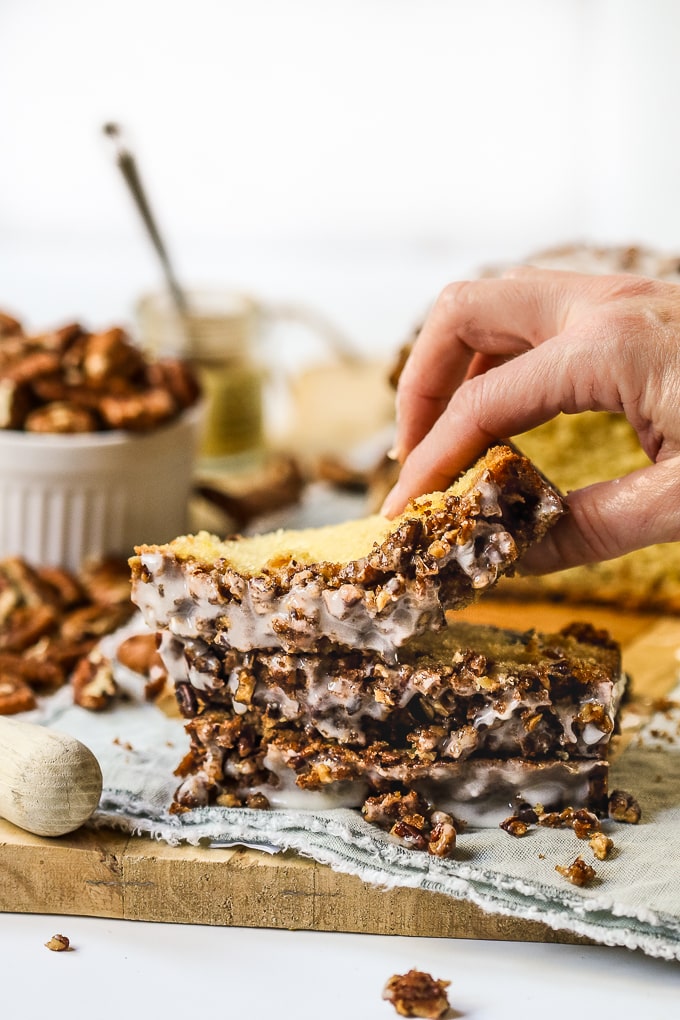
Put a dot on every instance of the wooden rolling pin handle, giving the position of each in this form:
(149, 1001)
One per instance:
(50, 783)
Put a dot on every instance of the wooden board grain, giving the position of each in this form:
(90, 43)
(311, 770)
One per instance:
(107, 874)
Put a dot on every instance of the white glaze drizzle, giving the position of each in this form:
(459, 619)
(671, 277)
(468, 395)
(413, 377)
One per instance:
(186, 600)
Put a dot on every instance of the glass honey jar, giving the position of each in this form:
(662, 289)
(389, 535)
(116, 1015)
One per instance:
(220, 334)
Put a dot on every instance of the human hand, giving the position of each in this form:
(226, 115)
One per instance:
(496, 357)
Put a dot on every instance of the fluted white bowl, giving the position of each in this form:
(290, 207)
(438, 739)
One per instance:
(67, 498)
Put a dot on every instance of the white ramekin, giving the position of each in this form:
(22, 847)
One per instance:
(68, 498)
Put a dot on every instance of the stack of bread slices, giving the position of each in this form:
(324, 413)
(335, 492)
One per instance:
(327, 667)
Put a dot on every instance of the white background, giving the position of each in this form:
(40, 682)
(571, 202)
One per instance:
(141, 971)
(353, 155)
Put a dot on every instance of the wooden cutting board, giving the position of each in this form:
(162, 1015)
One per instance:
(107, 874)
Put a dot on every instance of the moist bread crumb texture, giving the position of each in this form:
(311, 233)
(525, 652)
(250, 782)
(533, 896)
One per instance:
(317, 668)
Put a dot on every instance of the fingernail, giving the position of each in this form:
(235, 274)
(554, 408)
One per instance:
(389, 507)
(393, 453)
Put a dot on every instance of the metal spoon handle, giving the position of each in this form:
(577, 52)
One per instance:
(128, 168)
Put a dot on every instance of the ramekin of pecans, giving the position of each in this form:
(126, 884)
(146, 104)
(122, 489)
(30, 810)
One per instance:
(97, 444)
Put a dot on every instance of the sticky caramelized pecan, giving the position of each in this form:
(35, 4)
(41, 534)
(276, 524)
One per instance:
(623, 807)
(417, 994)
(578, 872)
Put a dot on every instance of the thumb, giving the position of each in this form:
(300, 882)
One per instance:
(612, 518)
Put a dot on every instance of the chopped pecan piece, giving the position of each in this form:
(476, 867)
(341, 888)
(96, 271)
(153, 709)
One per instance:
(245, 688)
(578, 872)
(410, 819)
(552, 820)
(60, 653)
(58, 943)
(585, 823)
(139, 654)
(417, 994)
(187, 765)
(515, 826)
(384, 808)
(157, 684)
(442, 841)
(9, 599)
(601, 845)
(595, 715)
(225, 800)
(410, 835)
(257, 801)
(623, 807)
(339, 473)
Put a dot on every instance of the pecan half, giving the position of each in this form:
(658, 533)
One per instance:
(138, 653)
(15, 695)
(93, 684)
(61, 417)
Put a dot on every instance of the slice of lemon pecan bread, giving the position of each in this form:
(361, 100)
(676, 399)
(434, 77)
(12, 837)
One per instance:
(371, 583)
(475, 719)
(465, 690)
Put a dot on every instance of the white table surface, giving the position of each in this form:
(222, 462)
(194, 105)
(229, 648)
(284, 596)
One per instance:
(140, 969)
